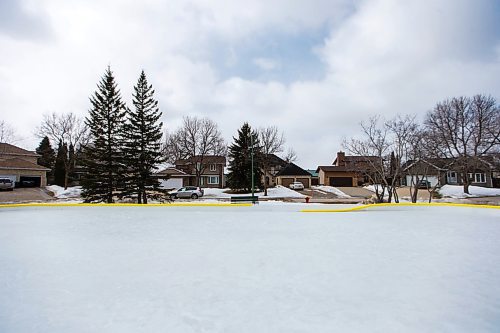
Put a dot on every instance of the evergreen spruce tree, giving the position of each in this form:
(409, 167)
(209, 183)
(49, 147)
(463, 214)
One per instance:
(240, 160)
(47, 157)
(59, 167)
(143, 133)
(103, 158)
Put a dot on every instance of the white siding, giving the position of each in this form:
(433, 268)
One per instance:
(431, 179)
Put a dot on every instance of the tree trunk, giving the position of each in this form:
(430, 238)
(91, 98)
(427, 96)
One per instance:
(466, 187)
(139, 197)
(144, 197)
(66, 176)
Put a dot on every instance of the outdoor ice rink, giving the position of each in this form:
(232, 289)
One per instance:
(264, 268)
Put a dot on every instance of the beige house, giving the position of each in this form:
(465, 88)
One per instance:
(21, 166)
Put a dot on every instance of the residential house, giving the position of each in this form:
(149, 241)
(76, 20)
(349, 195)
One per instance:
(314, 177)
(293, 173)
(211, 167)
(275, 165)
(347, 171)
(172, 178)
(21, 166)
(443, 171)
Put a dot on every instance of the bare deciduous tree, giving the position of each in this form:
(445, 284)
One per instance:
(374, 145)
(271, 141)
(7, 134)
(464, 129)
(66, 128)
(196, 139)
(290, 156)
(403, 132)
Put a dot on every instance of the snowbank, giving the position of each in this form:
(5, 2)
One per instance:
(455, 191)
(331, 189)
(265, 268)
(61, 193)
(273, 192)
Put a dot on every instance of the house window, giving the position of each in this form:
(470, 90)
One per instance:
(213, 180)
(213, 167)
(480, 178)
(452, 177)
(202, 180)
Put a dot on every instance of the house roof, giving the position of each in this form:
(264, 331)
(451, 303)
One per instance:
(275, 160)
(314, 173)
(8, 149)
(292, 169)
(20, 164)
(333, 168)
(208, 159)
(171, 172)
(354, 159)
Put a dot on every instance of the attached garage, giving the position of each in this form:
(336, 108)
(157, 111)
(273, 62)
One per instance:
(341, 181)
(171, 183)
(29, 181)
(172, 178)
(293, 173)
(286, 181)
(13, 178)
(304, 181)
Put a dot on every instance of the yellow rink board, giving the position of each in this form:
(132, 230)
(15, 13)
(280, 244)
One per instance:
(363, 207)
(187, 204)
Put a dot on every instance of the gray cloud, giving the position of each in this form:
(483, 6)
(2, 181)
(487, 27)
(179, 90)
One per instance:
(18, 21)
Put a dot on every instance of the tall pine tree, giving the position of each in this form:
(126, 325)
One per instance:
(47, 157)
(103, 158)
(240, 160)
(143, 142)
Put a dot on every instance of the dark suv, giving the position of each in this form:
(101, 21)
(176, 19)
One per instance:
(6, 184)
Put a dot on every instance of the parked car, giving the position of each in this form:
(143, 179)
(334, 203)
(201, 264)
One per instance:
(6, 184)
(424, 184)
(192, 192)
(297, 186)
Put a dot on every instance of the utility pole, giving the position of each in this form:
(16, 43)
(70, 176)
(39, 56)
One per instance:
(251, 143)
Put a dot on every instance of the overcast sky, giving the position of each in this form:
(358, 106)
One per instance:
(313, 68)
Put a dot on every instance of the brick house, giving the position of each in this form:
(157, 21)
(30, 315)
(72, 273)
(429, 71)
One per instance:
(346, 171)
(21, 166)
(212, 171)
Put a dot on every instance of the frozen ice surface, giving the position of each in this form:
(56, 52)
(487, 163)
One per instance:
(265, 268)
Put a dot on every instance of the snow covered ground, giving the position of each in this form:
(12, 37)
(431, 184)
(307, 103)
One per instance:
(264, 268)
(455, 191)
(331, 189)
(61, 193)
(273, 192)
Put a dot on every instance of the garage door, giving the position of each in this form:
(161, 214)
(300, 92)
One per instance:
(304, 181)
(11, 177)
(341, 181)
(171, 183)
(30, 181)
(286, 181)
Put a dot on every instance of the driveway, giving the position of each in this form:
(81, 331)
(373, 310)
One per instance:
(357, 192)
(25, 195)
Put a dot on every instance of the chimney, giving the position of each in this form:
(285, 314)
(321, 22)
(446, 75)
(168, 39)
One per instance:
(340, 158)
